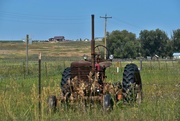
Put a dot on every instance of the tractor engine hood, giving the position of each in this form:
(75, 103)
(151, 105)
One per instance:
(81, 63)
(105, 64)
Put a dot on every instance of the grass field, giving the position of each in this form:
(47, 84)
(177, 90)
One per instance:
(19, 92)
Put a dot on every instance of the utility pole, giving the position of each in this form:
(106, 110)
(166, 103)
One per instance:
(105, 24)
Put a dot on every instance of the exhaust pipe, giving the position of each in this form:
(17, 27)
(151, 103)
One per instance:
(93, 46)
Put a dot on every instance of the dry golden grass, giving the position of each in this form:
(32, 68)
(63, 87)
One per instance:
(61, 49)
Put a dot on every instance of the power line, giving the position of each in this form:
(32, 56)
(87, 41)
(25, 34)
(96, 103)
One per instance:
(40, 19)
(125, 22)
(41, 16)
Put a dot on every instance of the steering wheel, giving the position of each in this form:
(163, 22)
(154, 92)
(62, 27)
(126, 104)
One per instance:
(100, 52)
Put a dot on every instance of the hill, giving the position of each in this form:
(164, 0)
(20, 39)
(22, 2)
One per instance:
(64, 49)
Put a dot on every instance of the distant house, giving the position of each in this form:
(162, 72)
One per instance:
(86, 39)
(98, 38)
(57, 38)
(51, 39)
(176, 55)
(155, 57)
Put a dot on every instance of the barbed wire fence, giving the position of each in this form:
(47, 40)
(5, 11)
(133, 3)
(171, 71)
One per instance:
(15, 70)
(52, 67)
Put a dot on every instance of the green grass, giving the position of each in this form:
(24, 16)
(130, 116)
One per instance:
(161, 94)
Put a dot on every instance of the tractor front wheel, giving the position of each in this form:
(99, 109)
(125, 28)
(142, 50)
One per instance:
(107, 102)
(52, 103)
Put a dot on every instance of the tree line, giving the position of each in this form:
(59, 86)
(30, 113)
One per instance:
(124, 44)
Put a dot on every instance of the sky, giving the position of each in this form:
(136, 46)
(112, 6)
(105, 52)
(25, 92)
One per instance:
(43, 19)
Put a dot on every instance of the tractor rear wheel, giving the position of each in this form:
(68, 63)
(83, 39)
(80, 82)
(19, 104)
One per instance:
(131, 84)
(66, 75)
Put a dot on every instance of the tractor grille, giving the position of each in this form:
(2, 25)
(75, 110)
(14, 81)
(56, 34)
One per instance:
(80, 69)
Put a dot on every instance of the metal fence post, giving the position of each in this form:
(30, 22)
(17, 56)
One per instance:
(39, 86)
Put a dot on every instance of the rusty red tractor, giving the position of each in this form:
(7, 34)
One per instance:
(84, 81)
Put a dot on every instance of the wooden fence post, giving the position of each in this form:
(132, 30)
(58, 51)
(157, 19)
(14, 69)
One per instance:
(150, 65)
(120, 65)
(46, 69)
(27, 42)
(24, 70)
(140, 64)
(64, 64)
(166, 64)
(172, 63)
(159, 64)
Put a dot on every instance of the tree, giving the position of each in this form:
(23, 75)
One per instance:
(176, 40)
(154, 42)
(122, 44)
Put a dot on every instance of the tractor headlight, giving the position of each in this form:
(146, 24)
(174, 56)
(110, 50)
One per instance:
(111, 57)
(85, 57)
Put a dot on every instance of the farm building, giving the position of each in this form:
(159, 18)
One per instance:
(176, 55)
(98, 38)
(57, 38)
